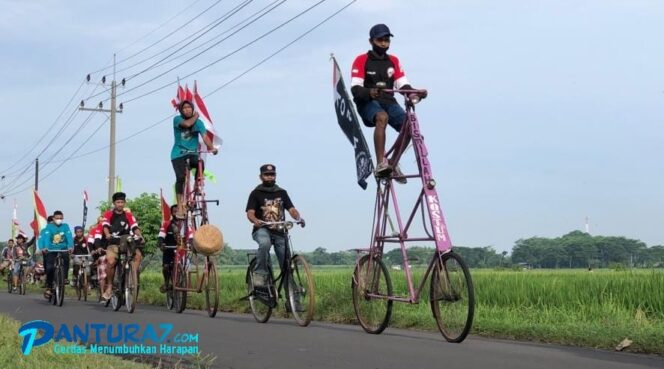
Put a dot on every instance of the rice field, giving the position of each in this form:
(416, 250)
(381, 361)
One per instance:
(572, 307)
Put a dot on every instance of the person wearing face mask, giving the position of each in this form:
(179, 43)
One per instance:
(186, 128)
(371, 71)
(268, 203)
(55, 236)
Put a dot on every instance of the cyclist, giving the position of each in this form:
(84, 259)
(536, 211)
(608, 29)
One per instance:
(7, 254)
(378, 108)
(267, 203)
(119, 224)
(167, 237)
(80, 248)
(55, 236)
(21, 251)
(186, 128)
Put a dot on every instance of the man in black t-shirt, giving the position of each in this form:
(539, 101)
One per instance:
(268, 203)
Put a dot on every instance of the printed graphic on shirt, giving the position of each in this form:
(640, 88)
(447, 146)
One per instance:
(58, 238)
(273, 210)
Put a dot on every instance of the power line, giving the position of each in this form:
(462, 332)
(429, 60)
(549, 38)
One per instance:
(207, 49)
(183, 51)
(33, 146)
(207, 28)
(176, 29)
(217, 60)
(280, 50)
(302, 35)
(61, 164)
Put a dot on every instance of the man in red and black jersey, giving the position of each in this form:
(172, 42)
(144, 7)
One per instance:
(378, 108)
(119, 224)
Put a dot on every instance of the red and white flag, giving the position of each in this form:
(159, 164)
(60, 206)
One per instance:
(165, 209)
(39, 221)
(195, 98)
(85, 196)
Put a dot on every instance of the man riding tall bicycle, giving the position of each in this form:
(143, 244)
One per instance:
(186, 128)
(371, 72)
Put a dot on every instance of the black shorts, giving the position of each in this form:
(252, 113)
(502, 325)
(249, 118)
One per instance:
(180, 164)
(168, 256)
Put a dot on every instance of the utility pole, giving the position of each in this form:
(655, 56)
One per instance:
(37, 174)
(113, 110)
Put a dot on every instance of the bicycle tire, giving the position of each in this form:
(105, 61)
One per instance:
(86, 286)
(452, 297)
(118, 287)
(375, 316)
(211, 290)
(180, 280)
(78, 286)
(22, 284)
(130, 288)
(60, 280)
(301, 291)
(259, 309)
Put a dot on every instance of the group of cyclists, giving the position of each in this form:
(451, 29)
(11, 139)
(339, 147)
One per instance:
(372, 73)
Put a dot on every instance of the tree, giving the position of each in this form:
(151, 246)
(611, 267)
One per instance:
(147, 211)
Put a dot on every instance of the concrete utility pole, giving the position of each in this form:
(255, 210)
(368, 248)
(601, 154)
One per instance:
(113, 110)
(37, 174)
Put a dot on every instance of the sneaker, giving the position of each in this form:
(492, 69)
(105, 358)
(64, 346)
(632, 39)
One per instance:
(398, 175)
(259, 280)
(383, 169)
(14, 289)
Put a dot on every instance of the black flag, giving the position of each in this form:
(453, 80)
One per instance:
(350, 125)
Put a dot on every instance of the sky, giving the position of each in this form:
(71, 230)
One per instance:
(540, 113)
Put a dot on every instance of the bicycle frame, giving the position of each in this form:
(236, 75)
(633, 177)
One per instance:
(196, 204)
(386, 192)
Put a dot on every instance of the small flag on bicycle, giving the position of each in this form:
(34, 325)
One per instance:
(165, 209)
(85, 208)
(351, 127)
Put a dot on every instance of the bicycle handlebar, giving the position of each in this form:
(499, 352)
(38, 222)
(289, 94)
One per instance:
(288, 224)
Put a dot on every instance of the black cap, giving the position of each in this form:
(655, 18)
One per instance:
(268, 169)
(379, 30)
(119, 196)
(20, 236)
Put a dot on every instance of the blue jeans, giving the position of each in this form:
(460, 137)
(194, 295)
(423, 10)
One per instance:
(369, 110)
(17, 266)
(264, 239)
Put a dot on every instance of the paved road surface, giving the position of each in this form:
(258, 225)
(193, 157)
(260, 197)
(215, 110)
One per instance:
(239, 342)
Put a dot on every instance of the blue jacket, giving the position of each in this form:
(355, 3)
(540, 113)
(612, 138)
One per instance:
(54, 237)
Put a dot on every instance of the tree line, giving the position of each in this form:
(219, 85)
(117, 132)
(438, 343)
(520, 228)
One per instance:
(573, 250)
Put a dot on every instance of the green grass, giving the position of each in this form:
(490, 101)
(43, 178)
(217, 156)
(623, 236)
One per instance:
(571, 307)
(44, 358)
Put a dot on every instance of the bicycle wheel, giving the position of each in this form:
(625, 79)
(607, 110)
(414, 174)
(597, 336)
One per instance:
(85, 286)
(452, 297)
(79, 280)
(118, 287)
(211, 290)
(180, 281)
(130, 288)
(9, 279)
(169, 298)
(22, 282)
(371, 277)
(259, 308)
(301, 291)
(60, 285)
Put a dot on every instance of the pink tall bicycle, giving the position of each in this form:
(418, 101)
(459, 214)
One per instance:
(450, 291)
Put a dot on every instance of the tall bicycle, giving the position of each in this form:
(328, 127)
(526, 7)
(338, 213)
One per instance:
(187, 267)
(451, 293)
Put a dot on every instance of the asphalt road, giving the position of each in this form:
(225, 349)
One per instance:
(239, 342)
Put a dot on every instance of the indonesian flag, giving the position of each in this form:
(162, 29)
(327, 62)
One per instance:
(39, 221)
(165, 209)
(196, 99)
